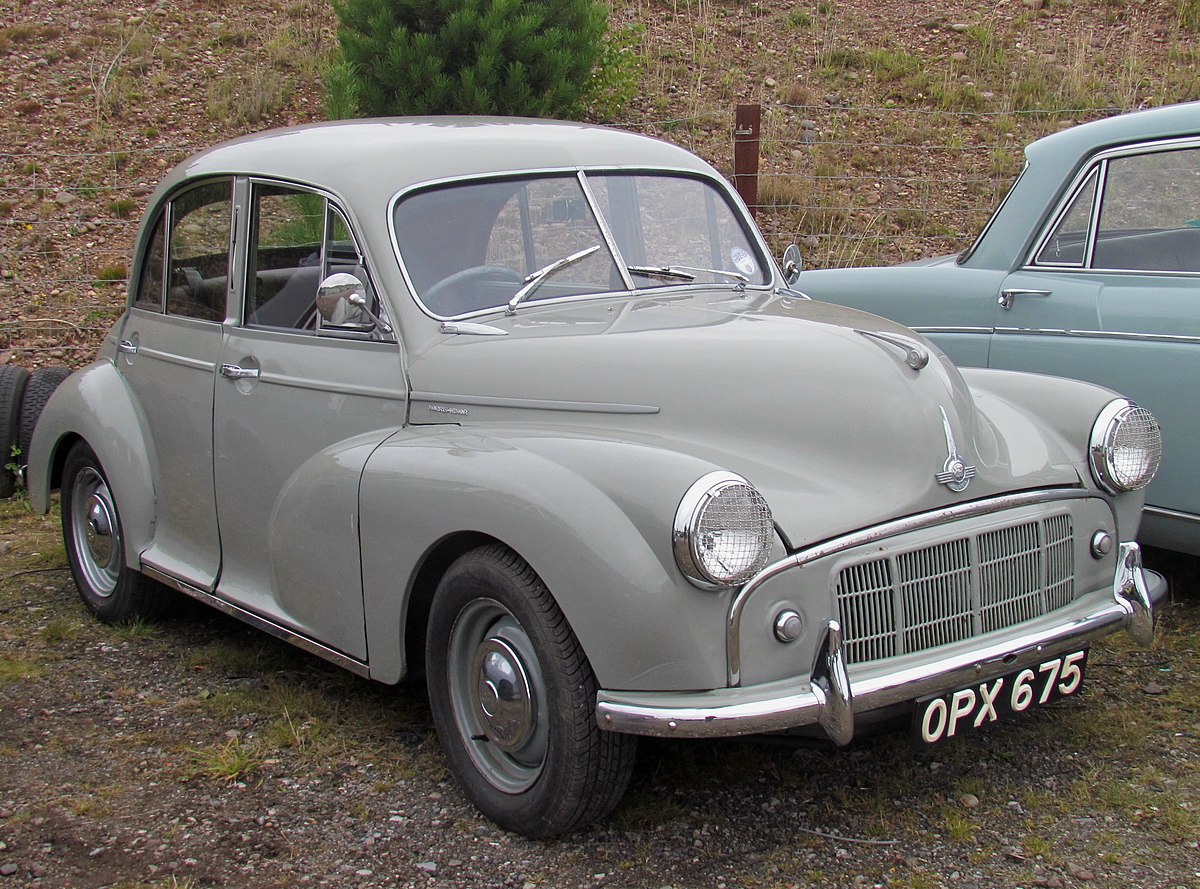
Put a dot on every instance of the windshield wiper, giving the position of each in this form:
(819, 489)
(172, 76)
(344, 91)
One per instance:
(534, 279)
(686, 273)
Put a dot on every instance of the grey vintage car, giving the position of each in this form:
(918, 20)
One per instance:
(527, 407)
(1088, 269)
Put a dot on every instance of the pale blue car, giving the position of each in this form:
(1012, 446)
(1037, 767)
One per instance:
(1090, 269)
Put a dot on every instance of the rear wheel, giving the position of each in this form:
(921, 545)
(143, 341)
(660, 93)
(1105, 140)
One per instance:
(13, 381)
(95, 546)
(513, 700)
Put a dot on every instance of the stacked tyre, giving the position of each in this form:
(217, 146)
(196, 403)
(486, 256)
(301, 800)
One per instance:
(23, 395)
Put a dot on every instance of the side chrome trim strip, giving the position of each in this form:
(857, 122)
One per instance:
(1099, 335)
(1173, 514)
(737, 605)
(536, 404)
(258, 622)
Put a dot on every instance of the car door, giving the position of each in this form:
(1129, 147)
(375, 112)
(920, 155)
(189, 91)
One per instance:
(170, 343)
(298, 408)
(1112, 296)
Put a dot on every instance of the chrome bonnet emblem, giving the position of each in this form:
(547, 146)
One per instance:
(955, 474)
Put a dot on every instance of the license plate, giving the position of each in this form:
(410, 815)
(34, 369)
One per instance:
(939, 717)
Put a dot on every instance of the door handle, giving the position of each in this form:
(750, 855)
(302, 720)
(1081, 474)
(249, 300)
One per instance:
(234, 372)
(1008, 296)
(127, 347)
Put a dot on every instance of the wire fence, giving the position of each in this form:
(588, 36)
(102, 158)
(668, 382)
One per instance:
(851, 185)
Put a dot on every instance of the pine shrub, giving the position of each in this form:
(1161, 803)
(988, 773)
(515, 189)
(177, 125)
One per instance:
(508, 57)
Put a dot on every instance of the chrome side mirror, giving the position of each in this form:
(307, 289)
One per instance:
(341, 303)
(793, 263)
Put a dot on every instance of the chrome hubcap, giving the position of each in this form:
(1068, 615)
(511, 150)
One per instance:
(98, 532)
(498, 695)
(95, 533)
(503, 696)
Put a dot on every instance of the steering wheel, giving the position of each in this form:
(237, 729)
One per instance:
(479, 287)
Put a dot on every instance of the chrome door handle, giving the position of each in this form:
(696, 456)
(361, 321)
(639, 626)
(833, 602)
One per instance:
(234, 372)
(127, 347)
(1007, 296)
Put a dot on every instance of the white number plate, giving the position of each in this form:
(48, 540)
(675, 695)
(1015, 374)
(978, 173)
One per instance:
(944, 716)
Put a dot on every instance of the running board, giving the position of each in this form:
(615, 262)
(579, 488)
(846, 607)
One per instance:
(259, 622)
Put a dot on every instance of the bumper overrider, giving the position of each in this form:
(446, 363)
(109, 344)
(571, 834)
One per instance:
(831, 699)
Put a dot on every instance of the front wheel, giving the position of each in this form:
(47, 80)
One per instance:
(95, 546)
(513, 699)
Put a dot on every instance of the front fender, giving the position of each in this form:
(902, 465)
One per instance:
(591, 516)
(95, 404)
(1034, 412)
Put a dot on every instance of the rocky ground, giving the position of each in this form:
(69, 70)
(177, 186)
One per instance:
(197, 752)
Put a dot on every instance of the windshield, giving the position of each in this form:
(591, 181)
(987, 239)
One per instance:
(472, 247)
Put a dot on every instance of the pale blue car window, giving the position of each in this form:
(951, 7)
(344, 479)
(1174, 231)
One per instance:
(1150, 213)
(1067, 245)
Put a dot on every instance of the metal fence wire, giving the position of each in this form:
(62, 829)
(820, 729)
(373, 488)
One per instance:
(851, 185)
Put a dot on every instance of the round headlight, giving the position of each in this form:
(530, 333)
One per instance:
(1126, 447)
(723, 531)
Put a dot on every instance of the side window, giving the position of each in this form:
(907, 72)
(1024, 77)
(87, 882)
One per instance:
(297, 239)
(1150, 213)
(1067, 244)
(150, 284)
(198, 256)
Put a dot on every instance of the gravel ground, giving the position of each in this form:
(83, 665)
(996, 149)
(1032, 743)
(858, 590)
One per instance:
(197, 752)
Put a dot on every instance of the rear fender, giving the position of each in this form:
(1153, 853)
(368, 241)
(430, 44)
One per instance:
(94, 404)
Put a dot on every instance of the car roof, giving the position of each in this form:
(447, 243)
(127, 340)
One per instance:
(373, 159)
(1139, 126)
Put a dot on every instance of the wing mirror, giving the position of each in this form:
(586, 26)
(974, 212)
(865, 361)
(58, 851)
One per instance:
(793, 263)
(342, 305)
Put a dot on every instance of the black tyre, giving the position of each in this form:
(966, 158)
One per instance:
(92, 534)
(42, 383)
(513, 699)
(13, 380)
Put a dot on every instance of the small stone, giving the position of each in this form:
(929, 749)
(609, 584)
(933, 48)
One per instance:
(969, 800)
(771, 83)
(428, 867)
(7, 870)
(960, 27)
(1153, 688)
(1080, 873)
(1034, 4)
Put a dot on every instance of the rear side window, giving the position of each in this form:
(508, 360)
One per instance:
(198, 251)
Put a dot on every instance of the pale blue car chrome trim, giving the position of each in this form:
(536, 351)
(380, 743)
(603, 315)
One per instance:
(1099, 335)
(831, 698)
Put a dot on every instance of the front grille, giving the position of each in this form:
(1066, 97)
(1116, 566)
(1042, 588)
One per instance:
(912, 601)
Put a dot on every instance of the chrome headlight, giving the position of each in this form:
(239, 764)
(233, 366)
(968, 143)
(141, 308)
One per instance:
(1126, 447)
(723, 531)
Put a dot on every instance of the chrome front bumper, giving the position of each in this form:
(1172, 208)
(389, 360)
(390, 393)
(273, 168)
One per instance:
(832, 701)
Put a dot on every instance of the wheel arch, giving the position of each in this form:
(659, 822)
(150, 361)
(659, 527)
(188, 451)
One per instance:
(599, 539)
(94, 405)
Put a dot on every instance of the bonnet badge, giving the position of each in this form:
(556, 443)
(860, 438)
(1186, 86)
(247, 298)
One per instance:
(956, 474)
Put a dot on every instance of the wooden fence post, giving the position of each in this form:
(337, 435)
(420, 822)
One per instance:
(745, 154)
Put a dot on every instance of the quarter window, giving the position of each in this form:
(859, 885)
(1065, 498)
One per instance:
(199, 252)
(1067, 245)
